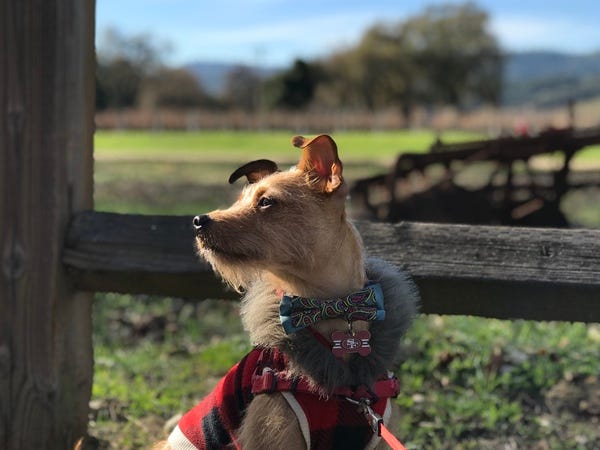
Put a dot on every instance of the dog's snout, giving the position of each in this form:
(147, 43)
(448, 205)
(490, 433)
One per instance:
(200, 222)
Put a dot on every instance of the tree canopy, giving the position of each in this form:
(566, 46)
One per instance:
(294, 88)
(445, 55)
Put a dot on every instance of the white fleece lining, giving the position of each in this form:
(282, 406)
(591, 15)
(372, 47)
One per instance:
(178, 441)
(302, 420)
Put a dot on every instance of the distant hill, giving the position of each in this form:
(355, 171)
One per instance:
(527, 66)
(541, 78)
(550, 78)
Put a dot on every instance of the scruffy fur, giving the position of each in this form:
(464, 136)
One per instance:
(301, 244)
(288, 232)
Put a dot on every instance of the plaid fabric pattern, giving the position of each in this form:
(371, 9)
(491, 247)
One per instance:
(334, 423)
(211, 424)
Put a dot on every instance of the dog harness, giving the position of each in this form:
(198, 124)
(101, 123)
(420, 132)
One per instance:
(326, 421)
(347, 417)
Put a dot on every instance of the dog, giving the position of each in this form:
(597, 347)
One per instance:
(326, 322)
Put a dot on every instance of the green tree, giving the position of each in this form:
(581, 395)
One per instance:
(445, 55)
(174, 88)
(377, 73)
(117, 84)
(293, 88)
(459, 59)
(122, 63)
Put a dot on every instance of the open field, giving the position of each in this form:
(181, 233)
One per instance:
(238, 146)
(467, 383)
(241, 145)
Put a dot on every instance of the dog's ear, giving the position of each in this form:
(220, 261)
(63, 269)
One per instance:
(254, 171)
(320, 158)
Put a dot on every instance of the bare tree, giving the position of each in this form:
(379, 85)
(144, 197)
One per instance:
(243, 88)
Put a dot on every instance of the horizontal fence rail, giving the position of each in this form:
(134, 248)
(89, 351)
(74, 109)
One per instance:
(489, 271)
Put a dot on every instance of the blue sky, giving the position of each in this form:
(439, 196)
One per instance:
(274, 32)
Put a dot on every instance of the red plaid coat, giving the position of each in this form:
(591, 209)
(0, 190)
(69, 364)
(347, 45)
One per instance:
(326, 423)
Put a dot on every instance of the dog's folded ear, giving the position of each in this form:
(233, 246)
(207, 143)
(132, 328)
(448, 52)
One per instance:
(254, 171)
(320, 159)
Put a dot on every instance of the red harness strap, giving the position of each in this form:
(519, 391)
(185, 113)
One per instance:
(270, 381)
(267, 379)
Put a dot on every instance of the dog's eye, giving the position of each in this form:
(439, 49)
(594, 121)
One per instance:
(265, 202)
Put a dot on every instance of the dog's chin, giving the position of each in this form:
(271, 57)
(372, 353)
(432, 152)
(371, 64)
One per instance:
(213, 253)
(204, 244)
(236, 270)
(211, 249)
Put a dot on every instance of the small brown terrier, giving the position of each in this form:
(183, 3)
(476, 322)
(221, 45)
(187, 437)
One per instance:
(288, 236)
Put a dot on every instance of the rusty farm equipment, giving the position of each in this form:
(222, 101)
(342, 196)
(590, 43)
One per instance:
(496, 181)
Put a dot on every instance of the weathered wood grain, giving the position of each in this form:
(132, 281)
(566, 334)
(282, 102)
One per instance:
(502, 272)
(489, 253)
(46, 128)
(544, 274)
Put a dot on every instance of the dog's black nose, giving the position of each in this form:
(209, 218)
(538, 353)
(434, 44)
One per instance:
(200, 222)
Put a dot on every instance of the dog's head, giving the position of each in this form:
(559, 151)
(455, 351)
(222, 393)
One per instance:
(287, 223)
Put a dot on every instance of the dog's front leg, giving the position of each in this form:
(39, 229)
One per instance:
(270, 423)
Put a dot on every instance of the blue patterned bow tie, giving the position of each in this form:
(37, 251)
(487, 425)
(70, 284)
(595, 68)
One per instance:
(297, 313)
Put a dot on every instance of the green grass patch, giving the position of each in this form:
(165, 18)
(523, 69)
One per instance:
(240, 145)
(591, 153)
(470, 379)
(156, 354)
(237, 146)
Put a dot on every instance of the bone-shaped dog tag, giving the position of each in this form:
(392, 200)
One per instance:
(346, 342)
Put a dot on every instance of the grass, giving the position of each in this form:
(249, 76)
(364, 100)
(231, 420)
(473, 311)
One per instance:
(226, 146)
(467, 383)
(468, 378)
(237, 146)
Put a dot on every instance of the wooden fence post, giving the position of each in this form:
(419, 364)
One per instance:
(46, 169)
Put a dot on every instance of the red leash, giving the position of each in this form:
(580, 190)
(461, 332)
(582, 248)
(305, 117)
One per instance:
(377, 425)
(390, 439)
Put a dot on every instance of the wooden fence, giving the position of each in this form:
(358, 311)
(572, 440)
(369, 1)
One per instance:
(47, 68)
(502, 272)
(55, 250)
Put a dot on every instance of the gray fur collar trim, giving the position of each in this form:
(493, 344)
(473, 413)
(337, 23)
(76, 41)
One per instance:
(260, 315)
